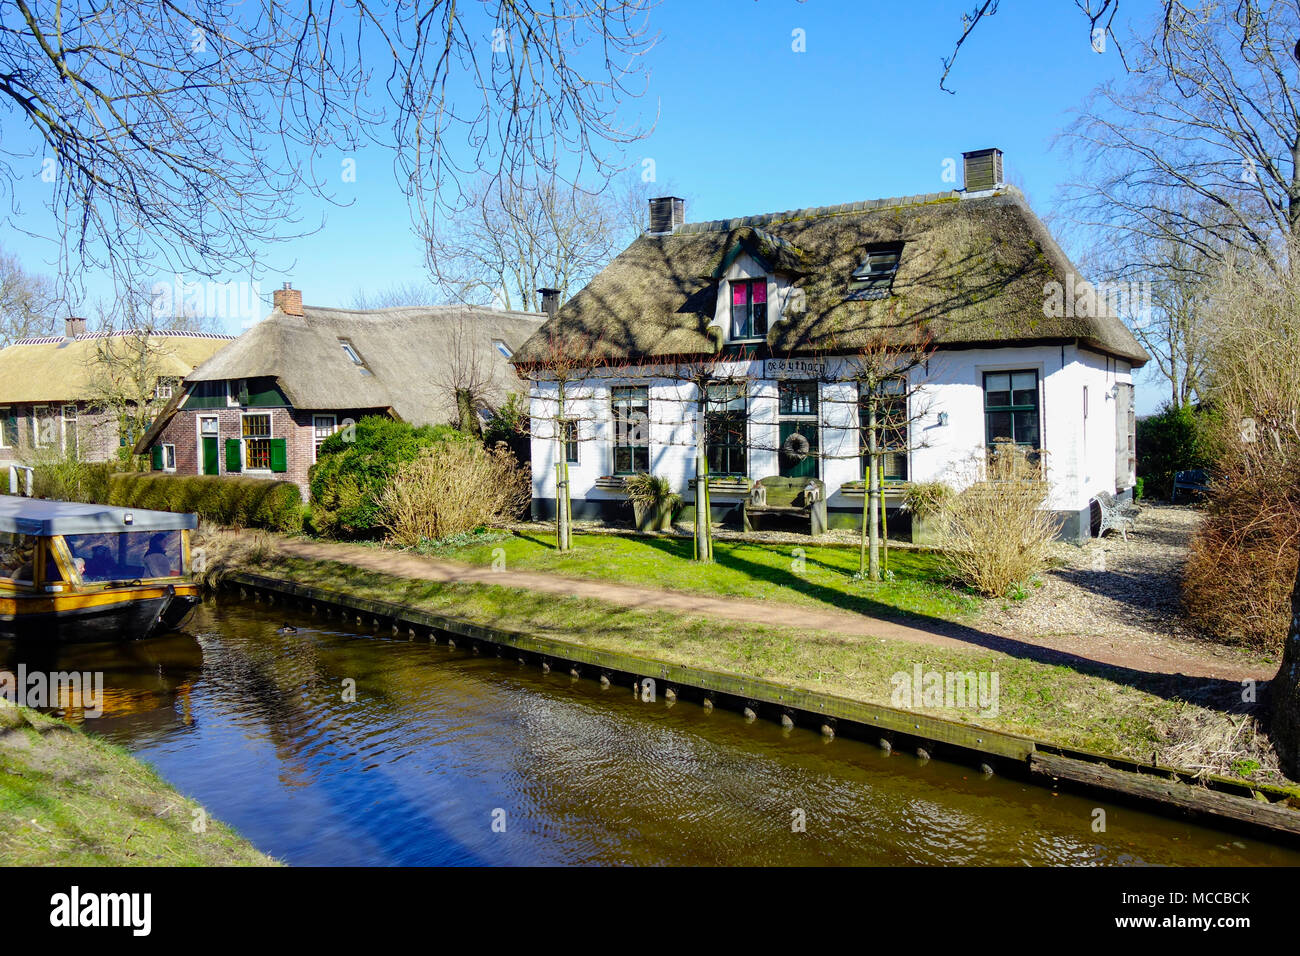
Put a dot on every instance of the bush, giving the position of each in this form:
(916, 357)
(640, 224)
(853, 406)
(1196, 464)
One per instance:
(1173, 439)
(67, 478)
(452, 488)
(925, 499)
(355, 466)
(228, 500)
(995, 533)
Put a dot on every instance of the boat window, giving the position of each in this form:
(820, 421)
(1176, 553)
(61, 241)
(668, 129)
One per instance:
(17, 552)
(126, 555)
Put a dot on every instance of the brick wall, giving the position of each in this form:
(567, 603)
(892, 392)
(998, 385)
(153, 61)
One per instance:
(96, 432)
(290, 424)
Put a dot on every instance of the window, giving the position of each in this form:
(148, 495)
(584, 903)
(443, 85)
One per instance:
(749, 309)
(631, 429)
(17, 555)
(569, 437)
(237, 392)
(165, 389)
(8, 428)
(126, 555)
(70, 429)
(874, 278)
(45, 427)
(724, 432)
(891, 429)
(208, 426)
(1011, 408)
(257, 442)
(797, 398)
(322, 426)
(353, 355)
(167, 457)
(502, 348)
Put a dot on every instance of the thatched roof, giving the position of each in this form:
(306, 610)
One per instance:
(973, 271)
(414, 358)
(57, 369)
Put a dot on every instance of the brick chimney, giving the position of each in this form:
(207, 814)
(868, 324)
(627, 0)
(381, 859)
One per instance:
(550, 301)
(288, 300)
(666, 214)
(982, 169)
(73, 326)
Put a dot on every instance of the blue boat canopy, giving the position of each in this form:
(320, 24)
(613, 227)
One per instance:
(45, 518)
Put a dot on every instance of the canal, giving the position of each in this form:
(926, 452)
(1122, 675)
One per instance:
(328, 746)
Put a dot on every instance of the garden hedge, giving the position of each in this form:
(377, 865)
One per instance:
(227, 500)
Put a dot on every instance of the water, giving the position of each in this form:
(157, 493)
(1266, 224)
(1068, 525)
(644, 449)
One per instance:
(439, 745)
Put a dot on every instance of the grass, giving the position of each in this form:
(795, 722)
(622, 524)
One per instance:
(69, 799)
(803, 575)
(1100, 709)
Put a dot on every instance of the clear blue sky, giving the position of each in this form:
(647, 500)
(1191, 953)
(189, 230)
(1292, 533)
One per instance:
(748, 125)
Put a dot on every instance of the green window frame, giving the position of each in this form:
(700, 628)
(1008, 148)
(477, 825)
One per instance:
(631, 408)
(569, 437)
(1012, 408)
(891, 429)
(726, 417)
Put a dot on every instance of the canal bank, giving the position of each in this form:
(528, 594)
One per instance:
(1237, 805)
(68, 799)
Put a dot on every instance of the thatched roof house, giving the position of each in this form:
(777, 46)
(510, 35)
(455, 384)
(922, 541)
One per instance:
(972, 272)
(776, 308)
(265, 404)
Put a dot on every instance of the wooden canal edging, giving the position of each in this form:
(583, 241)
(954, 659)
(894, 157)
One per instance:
(1219, 801)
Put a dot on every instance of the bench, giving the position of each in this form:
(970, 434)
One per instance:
(1115, 515)
(1194, 480)
(796, 497)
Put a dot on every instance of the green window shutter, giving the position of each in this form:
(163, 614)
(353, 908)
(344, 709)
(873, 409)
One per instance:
(279, 455)
(157, 452)
(232, 456)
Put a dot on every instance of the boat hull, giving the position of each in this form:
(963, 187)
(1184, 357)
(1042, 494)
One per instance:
(119, 615)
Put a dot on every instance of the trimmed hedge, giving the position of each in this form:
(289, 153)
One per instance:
(227, 500)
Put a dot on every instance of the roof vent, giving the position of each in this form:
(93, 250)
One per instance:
(666, 214)
(550, 301)
(983, 169)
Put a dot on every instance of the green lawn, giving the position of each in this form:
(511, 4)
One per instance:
(806, 575)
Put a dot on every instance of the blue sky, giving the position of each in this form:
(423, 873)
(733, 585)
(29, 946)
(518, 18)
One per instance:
(746, 124)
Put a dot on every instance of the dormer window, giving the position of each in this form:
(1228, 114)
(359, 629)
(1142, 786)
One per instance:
(874, 278)
(353, 355)
(502, 348)
(748, 309)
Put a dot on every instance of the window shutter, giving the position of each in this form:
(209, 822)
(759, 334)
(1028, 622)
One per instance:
(279, 456)
(157, 452)
(232, 456)
(1124, 430)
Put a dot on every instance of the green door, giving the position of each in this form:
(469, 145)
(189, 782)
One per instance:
(210, 458)
(796, 460)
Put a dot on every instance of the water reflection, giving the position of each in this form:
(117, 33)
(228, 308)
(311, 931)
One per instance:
(328, 747)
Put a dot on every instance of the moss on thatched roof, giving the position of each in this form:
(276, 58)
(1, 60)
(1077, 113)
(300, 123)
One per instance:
(973, 271)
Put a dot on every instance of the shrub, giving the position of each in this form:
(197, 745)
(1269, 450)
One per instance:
(68, 478)
(452, 488)
(356, 465)
(1173, 439)
(925, 499)
(995, 533)
(227, 500)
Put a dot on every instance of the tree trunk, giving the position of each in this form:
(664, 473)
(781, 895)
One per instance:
(1284, 695)
(703, 530)
(873, 493)
(469, 423)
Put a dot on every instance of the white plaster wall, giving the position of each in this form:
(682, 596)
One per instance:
(1080, 457)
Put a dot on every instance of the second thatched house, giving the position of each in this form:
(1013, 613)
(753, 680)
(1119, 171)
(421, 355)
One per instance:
(265, 404)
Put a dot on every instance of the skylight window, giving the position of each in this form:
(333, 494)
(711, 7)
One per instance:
(874, 278)
(502, 348)
(351, 352)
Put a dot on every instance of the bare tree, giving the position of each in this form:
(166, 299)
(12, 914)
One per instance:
(397, 296)
(509, 240)
(182, 135)
(28, 302)
(1199, 146)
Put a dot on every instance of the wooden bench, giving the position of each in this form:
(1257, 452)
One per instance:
(1194, 480)
(796, 497)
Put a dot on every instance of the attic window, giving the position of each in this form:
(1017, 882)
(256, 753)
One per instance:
(351, 352)
(502, 348)
(874, 278)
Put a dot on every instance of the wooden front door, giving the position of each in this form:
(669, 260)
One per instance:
(209, 446)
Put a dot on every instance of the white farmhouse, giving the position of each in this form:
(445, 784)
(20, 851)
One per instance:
(775, 307)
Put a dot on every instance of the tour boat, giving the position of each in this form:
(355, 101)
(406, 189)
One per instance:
(82, 572)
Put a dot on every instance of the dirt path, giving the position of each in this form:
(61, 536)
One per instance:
(1011, 637)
